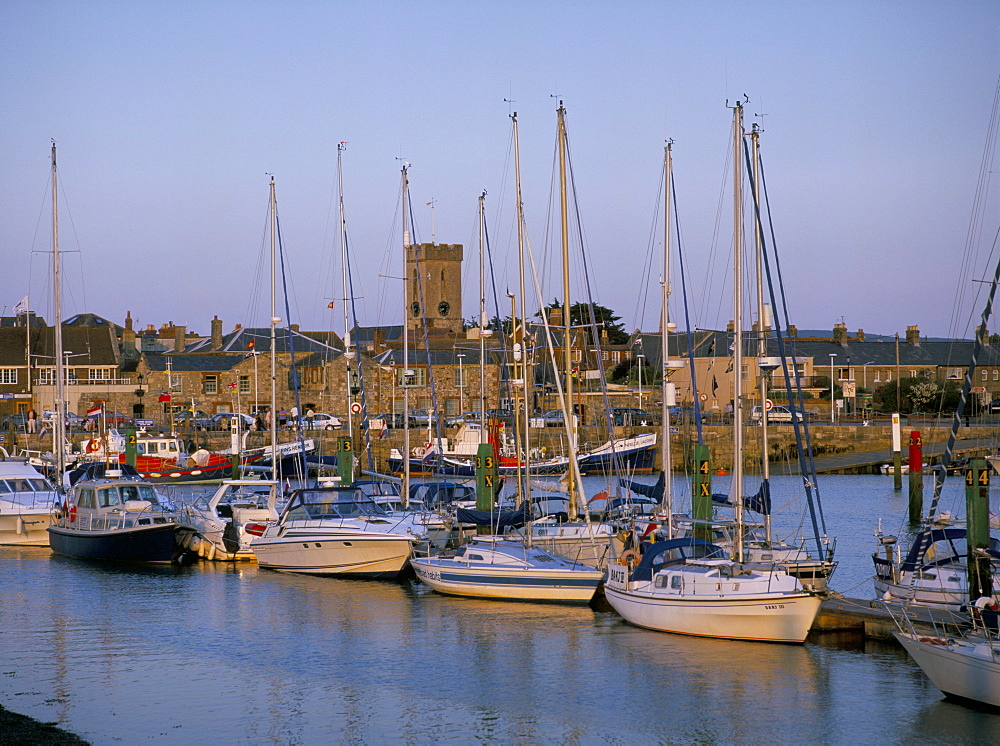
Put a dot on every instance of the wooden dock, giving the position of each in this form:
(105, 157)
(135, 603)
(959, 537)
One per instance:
(870, 618)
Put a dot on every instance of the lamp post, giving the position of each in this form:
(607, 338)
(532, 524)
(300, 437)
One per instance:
(461, 384)
(832, 403)
(140, 411)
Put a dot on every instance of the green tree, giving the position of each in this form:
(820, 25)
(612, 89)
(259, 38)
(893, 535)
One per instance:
(604, 318)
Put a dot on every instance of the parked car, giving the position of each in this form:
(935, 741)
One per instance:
(506, 416)
(322, 421)
(113, 418)
(995, 405)
(223, 421)
(630, 417)
(73, 420)
(552, 418)
(191, 420)
(463, 419)
(391, 420)
(778, 413)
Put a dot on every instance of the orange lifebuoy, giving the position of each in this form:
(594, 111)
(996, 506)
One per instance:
(72, 513)
(628, 554)
(93, 446)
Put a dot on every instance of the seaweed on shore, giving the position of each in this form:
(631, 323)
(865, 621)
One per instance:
(26, 731)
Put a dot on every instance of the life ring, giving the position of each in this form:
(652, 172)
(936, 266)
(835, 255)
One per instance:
(627, 555)
(93, 446)
(418, 452)
(72, 513)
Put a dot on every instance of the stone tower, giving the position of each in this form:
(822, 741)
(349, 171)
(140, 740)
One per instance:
(436, 290)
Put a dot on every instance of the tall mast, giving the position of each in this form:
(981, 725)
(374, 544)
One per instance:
(348, 357)
(483, 320)
(665, 454)
(60, 429)
(522, 481)
(567, 346)
(273, 209)
(736, 489)
(406, 343)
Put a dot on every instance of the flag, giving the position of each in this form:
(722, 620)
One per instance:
(233, 385)
(715, 385)
(164, 398)
(21, 306)
(95, 411)
(251, 343)
(330, 304)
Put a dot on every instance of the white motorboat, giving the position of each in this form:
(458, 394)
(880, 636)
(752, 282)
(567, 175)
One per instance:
(386, 495)
(337, 531)
(27, 500)
(221, 518)
(965, 664)
(689, 587)
(117, 517)
(933, 572)
(583, 542)
(498, 568)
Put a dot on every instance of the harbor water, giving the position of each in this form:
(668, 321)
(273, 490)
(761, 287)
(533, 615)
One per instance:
(229, 653)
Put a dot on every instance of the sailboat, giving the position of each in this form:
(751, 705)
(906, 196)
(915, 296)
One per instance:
(688, 585)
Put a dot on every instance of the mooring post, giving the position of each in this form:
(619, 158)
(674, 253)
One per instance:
(916, 477)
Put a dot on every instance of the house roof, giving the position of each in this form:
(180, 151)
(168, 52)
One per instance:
(85, 345)
(258, 339)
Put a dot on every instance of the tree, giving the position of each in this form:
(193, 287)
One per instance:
(604, 318)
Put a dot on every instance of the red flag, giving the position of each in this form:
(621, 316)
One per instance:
(251, 343)
(164, 398)
(233, 385)
(330, 304)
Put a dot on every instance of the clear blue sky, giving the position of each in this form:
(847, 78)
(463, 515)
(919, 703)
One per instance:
(168, 115)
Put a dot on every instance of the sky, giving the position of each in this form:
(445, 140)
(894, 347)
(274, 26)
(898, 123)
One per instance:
(170, 118)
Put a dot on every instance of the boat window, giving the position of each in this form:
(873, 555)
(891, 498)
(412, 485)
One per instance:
(140, 448)
(129, 492)
(676, 582)
(4, 487)
(108, 496)
(85, 499)
(475, 556)
(661, 582)
(147, 493)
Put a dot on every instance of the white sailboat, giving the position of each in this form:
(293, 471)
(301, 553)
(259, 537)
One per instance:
(688, 586)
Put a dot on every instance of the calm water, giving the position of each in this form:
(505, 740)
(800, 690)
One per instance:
(232, 654)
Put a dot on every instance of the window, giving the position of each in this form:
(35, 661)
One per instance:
(46, 376)
(8, 375)
(986, 375)
(419, 377)
(100, 374)
(461, 377)
(954, 374)
(996, 375)
(211, 384)
(878, 376)
(913, 373)
(244, 384)
(844, 374)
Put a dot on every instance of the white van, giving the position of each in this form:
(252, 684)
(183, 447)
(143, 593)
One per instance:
(777, 413)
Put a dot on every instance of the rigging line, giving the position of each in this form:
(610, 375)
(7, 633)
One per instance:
(645, 279)
(687, 318)
(361, 370)
(801, 432)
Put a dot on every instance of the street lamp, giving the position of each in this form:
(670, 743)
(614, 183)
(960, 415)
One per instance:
(832, 411)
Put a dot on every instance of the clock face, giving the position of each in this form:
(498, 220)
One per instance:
(415, 308)
(444, 308)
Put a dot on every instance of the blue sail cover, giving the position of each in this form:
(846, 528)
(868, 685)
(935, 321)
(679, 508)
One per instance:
(673, 551)
(654, 491)
(499, 519)
(96, 470)
(759, 502)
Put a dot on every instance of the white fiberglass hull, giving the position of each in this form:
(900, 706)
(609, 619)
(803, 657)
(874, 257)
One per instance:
(513, 584)
(26, 528)
(318, 552)
(589, 544)
(960, 668)
(715, 602)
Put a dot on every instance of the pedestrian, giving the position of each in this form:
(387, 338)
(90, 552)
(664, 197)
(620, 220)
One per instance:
(310, 414)
(282, 418)
(32, 421)
(258, 422)
(267, 418)
(295, 418)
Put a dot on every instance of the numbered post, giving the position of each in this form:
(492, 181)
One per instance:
(345, 460)
(487, 480)
(701, 499)
(916, 476)
(130, 447)
(977, 511)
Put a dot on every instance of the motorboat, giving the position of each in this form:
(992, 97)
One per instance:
(337, 531)
(220, 518)
(27, 500)
(688, 586)
(436, 525)
(117, 516)
(963, 661)
(933, 573)
(499, 568)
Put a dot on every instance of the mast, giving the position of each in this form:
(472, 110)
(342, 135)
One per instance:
(348, 356)
(665, 455)
(522, 478)
(59, 433)
(736, 488)
(406, 345)
(567, 346)
(483, 320)
(273, 209)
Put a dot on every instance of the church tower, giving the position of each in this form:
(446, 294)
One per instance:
(435, 288)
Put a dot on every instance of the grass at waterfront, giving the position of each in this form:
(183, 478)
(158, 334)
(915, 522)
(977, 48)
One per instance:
(25, 731)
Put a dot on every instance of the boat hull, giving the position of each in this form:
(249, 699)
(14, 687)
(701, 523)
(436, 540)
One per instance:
(314, 554)
(25, 529)
(556, 586)
(152, 543)
(959, 668)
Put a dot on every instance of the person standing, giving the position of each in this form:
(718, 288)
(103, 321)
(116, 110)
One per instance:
(32, 421)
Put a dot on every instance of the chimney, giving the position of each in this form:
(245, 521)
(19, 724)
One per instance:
(216, 333)
(180, 341)
(912, 335)
(840, 334)
(128, 336)
(378, 339)
(293, 327)
(793, 332)
(861, 335)
(555, 317)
